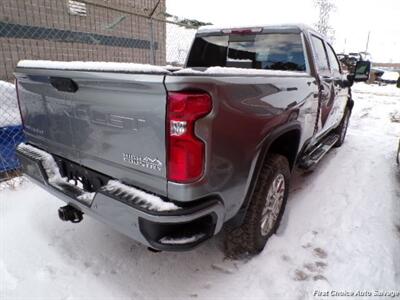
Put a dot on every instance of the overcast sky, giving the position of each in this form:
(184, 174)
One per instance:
(352, 20)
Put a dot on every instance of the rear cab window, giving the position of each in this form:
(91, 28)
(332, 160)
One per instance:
(269, 51)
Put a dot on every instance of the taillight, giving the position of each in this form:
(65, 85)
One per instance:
(242, 30)
(186, 152)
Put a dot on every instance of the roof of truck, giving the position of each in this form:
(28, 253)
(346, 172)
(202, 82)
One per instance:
(297, 27)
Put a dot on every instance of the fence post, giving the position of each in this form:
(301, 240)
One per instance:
(152, 48)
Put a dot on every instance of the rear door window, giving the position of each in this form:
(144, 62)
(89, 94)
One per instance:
(333, 61)
(320, 54)
(256, 51)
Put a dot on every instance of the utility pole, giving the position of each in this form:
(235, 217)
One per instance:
(366, 47)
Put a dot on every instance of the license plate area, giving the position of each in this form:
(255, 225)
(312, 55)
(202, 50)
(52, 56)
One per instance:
(87, 179)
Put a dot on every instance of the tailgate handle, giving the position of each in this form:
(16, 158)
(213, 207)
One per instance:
(64, 84)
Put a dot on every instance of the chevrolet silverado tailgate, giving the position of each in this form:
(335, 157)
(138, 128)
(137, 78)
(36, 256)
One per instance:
(111, 122)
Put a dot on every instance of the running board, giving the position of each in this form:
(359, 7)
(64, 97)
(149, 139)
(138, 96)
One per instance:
(310, 159)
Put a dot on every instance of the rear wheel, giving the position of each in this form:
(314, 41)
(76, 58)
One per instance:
(342, 129)
(265, 209)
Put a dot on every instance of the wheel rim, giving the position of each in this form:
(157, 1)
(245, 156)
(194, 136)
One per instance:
(273, 204)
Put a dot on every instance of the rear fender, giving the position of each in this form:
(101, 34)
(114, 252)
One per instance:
(265, 149)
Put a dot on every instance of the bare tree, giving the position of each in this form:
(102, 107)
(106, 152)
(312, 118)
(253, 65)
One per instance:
(325, 7)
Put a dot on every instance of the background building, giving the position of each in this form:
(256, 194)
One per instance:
(90, 30)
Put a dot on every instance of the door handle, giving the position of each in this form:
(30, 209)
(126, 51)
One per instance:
(64, 84)
(325, 96)
(324, 93)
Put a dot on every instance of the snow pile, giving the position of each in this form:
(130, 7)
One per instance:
(87, 197)
(13, 184)
(237, 71)
(9, 111)
(146, 200)
(8, 281)
(377, 90)
(93, 66)
(48, 162)
(181, 241)
(53, 172)
(390, 76)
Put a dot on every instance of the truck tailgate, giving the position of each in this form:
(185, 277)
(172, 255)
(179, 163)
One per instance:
(113, 123)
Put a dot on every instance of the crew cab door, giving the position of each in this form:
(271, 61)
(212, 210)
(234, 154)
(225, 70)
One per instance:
(341, 92)
(327, 87)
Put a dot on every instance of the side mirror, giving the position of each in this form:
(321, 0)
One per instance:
(398, 82)
(361, 71)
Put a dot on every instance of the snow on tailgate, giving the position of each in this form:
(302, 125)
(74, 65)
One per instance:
(93, 66)
(237, 71)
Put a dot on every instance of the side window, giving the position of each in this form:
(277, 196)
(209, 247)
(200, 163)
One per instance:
(320, 54)
(333, 61)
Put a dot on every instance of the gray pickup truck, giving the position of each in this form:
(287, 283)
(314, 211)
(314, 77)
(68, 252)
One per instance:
(170, 157)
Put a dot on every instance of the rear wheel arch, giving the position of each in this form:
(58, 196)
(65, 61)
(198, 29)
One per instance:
(284, 141)
(286, 144)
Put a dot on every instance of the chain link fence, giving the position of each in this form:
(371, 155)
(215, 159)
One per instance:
(137, 31)
(179, 41)
(10, 130)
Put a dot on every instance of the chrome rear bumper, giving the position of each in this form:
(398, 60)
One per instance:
(181, 228)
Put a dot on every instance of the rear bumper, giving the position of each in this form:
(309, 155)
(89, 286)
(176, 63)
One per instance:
(175, 230)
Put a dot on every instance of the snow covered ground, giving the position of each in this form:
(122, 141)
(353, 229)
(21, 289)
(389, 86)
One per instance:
(341, 231)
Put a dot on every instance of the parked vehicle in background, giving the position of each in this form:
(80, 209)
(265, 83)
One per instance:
(376, 74)
(349, 61)
(169, 158)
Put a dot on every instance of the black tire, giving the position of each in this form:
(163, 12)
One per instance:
(341, 130)
(249, 239)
